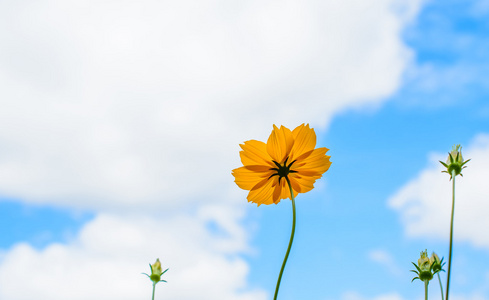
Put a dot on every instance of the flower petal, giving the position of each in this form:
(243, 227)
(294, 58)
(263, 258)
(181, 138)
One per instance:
(319, 166)
(262, 195)
(277, 191)
(306, 183)
(315, 160)
(285, 194)
(304, 141)
(309, 173)
(255, 153)
(247, 179)
(260, 184)
(260, 169)
(295, 185)
(280, 143)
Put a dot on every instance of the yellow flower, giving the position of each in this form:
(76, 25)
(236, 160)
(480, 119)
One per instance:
(287, 154)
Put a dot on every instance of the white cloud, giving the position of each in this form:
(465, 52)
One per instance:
(116, 103)
(131, 107)
(424, 203)
(107, 258)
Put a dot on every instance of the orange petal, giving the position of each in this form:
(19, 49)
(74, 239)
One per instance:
(260, 184)
(315, 169)
(276, 193)
(262, 195)
(259, 169)
(255, 153)
(280, 143)
(285, 194)
(312, 154)
(246, 179)
(309, 173)
(295, 185)
(315, 160)
(306, 183)
(304, 140)
(320, 166)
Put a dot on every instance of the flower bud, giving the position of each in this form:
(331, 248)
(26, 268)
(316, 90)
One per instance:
(427, 267)
(455, 162)
(156, 271)
(456, 155)
(436, 263)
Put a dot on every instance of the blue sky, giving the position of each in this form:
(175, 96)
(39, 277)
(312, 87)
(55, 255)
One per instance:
(376, 152)
(136, 165)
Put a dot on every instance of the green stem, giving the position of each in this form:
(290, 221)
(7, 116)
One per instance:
(154, 285)
(290, 242)
(451, 235)
(441, 287)
(426, 290)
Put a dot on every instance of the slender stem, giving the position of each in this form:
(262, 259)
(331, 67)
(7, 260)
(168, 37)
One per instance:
(441, 287)
(290, 242)
(154, 285)
(426, 290)
(451, 235)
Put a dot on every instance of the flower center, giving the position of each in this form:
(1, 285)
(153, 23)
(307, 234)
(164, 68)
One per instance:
(282, 170)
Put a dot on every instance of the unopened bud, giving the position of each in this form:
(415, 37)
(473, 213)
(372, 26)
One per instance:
(455, 162)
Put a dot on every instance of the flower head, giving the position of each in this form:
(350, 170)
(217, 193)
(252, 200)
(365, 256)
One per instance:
(455, 161)
(288, 156)
(156, 272)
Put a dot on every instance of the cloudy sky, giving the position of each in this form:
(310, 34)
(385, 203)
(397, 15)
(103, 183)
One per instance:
(120, 123)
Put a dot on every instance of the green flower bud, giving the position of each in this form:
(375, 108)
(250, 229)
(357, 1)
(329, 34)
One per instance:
(437, 264)
(456, 155)
(156, 272)
(455, 162)
(427, 267)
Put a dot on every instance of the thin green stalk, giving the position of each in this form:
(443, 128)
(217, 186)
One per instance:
(290, 242)
(154, 285)
(451, 234)
(426, 290)
(441, 287)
